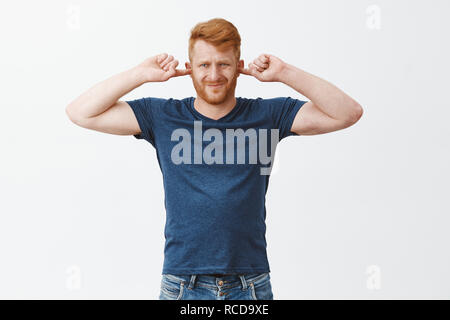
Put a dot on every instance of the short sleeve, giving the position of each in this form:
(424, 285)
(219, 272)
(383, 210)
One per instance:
(284, 110)
(144, 111)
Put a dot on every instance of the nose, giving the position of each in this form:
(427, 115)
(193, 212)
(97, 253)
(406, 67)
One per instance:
(214, 73)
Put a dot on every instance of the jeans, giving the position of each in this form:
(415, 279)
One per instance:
(254, 286)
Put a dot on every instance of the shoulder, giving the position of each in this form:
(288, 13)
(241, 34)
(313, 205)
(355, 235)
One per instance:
(267, 101)
(158, 102)
(269, 105)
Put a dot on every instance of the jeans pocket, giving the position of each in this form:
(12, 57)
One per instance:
(171, 288)
(261, 288)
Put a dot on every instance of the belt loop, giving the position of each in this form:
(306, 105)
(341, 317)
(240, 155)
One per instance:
(192, 282)
(244, 283)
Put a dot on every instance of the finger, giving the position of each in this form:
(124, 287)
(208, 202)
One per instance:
(255, 67)
(174, 64)
(264, 65)
(245, 71)
(182, 72)
(171, 65)
(166, 61)
(264, 58)
(261, 64)
(161, 57)
(252, 67)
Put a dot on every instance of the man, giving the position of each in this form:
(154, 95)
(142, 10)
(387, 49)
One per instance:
(215, 189)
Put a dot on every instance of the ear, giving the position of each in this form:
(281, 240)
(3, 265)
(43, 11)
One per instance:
(188, 67)
(240, 66)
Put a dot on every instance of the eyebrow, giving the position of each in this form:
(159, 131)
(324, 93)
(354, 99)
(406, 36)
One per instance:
(224, 60)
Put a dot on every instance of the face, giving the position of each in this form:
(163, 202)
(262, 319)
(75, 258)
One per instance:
(214, 73)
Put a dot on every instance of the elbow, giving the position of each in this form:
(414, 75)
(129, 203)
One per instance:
(71, 114)
(356, 113)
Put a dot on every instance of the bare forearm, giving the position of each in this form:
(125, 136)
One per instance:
(104, 94)
(330, 99)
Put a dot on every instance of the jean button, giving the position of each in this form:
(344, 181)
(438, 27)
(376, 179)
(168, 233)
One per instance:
(220, 283)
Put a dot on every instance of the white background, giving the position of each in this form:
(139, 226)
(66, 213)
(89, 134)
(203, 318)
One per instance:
(358, 213)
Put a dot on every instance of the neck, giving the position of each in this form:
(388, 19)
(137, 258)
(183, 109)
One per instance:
(214, 111)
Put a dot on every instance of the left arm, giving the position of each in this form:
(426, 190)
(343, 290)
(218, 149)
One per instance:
(329, 108)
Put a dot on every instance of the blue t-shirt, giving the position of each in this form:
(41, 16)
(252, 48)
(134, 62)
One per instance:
(214, 190)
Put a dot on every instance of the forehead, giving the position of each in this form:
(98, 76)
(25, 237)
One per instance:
(206, 51)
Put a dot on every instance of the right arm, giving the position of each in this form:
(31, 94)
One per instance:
(99, 107)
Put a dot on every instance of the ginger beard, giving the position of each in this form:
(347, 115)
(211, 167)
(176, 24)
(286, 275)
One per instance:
(215, 95)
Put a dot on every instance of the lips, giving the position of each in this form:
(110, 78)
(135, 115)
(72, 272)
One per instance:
(215, 85)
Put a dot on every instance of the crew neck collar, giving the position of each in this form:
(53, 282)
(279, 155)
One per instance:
(225, 117)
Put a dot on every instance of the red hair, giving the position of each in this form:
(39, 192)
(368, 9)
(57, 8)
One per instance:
(219, 32)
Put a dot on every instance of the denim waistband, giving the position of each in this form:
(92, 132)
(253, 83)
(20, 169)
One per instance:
(213, 281)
